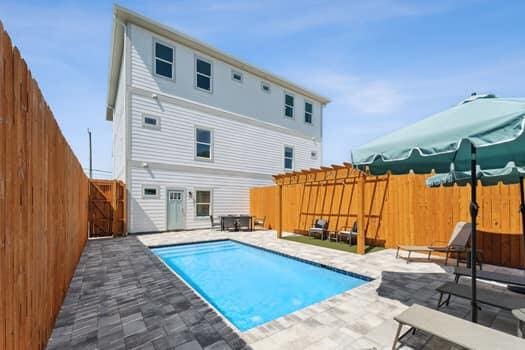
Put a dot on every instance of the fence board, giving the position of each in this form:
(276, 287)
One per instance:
(43, 208)
(399, 210)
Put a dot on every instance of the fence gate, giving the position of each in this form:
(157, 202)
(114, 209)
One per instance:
(107, 208)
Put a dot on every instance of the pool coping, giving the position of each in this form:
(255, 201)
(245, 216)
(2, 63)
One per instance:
(366, 279)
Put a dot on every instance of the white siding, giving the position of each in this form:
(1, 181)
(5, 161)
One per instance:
(119, 128)
(237, 145)
(230, 195)
(246, 98)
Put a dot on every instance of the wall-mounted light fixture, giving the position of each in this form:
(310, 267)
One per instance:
(190, 195)
(145, 165)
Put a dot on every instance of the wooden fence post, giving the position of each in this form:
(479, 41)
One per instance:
(361, 214)
(280, 212)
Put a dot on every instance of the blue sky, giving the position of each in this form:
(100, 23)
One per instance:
(383, 63)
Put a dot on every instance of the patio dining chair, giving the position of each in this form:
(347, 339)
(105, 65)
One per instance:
(259, 222)
(215, 223)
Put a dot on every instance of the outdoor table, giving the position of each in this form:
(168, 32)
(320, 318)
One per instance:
(236, 221)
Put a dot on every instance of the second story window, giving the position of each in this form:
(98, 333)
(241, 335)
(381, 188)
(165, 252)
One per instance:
(288, 105)
(308, 112)
(237, 76)
(203, 144)
(203, 74)
(288, 158)
(164, 60)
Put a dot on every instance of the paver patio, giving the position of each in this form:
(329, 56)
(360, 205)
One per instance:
(122, 293)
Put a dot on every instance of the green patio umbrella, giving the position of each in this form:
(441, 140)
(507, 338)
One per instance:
(511, 174)
(482, 130)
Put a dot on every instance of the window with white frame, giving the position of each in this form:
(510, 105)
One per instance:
(288, 158)
(237, 76)
(288, 105)
(164, 57)
(202, 203)
(308, 111)
(203, 74)
(203, 143)
(150, 121)
(150, 191)
(265, 87)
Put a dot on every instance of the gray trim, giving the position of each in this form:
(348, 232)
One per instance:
(198, 169)
(311, 113)
(184, 200)
(195, 73)
(202, 189)
(217, 112)
(287, 93)
(148, 196)
(233, 72)
(127, 126)
(149, 126)
(212, 141)
(284, 157)
(269, 87)
(153, 65)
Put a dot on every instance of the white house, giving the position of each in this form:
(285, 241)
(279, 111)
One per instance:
(194, 128)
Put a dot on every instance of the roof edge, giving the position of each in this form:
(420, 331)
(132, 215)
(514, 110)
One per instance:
(124, 15)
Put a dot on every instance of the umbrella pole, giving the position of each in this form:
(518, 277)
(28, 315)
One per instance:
(473, 214)
(519, 289)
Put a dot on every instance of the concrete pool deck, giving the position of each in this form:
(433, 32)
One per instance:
(114, 272)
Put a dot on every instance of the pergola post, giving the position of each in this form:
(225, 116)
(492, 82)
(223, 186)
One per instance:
(361, 214)
(280, 211)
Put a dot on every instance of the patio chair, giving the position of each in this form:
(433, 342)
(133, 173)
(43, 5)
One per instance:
(348, 233)
(229, 223)
(456, 245)
(259, 222)
(319, 228)
(245, 223)
(215, 224)
(454, 330)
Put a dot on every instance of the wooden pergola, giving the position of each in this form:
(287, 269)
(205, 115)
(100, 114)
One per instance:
(327, 176)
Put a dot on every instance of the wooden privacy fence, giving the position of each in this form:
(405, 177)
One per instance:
(43, 208)
(397, 209)
(107, 208)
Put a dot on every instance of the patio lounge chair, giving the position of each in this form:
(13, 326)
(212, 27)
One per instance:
(455, 330)
(492, 297)
(499, 277)
(456, 245)
(320, 228)
(229, 223)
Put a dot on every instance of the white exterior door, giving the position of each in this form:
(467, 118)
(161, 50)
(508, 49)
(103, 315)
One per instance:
(175, 210)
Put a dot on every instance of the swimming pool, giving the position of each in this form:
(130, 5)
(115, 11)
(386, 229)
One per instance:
(252, 286)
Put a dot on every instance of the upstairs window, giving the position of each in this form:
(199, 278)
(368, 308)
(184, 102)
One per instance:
(164, 60)
(265, 87)
(203, 74)
(237, 76)
(203, 144)
(288, 158)
(308, 112)
(288, 105)
(202, 203)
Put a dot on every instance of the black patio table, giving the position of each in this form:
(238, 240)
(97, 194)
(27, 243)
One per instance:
(236, 222)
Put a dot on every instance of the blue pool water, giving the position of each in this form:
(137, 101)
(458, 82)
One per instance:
(251, 286)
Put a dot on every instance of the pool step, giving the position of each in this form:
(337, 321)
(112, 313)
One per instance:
(176, 253)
